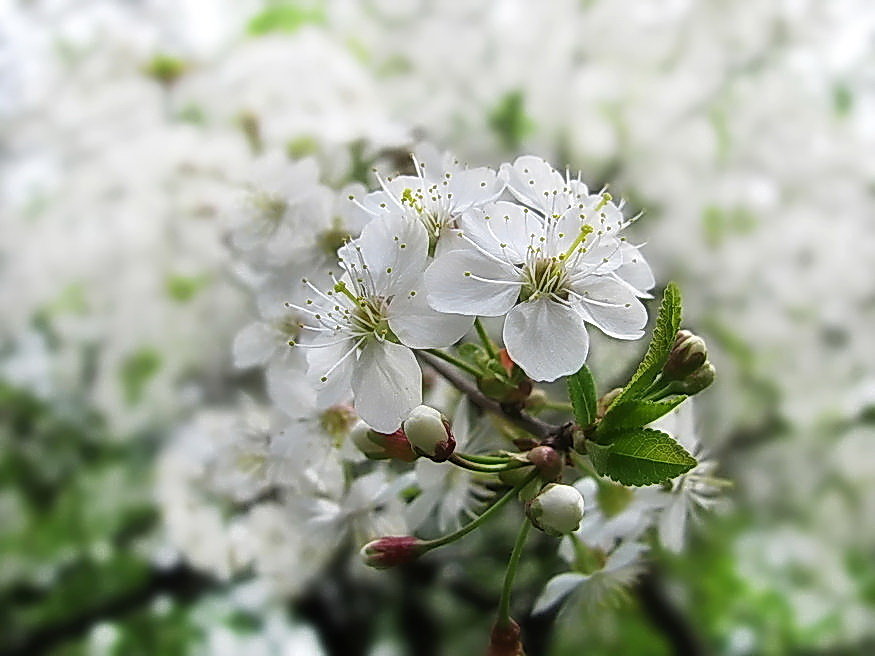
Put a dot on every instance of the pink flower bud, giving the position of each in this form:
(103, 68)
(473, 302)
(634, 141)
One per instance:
(382, 446)
(383, 553)
(548, 461)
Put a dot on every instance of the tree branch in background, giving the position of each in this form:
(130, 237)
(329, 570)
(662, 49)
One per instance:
(180, 582)
(667, 617)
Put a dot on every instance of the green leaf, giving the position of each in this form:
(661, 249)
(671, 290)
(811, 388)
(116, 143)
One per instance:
(581, 391)
(640, 457)
(635, 413)
(285, 17)
(184, 288)
(136, 370)
(668, 321)
(509, 120)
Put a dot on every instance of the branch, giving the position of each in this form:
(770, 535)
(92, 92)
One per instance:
(180, 582)
(667, 617)
(516, 416)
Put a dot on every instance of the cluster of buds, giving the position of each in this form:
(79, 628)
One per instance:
(687, 367)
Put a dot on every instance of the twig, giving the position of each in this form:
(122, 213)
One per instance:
(533, 425)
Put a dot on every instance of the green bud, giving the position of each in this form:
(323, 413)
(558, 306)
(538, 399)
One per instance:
(687, 355)
(698, 380)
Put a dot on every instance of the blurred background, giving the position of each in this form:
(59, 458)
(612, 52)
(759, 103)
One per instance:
(743, 129)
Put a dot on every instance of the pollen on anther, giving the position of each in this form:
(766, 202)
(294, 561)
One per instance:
(467, 274)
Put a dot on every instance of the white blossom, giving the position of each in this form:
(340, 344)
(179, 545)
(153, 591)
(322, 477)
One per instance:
(551, 267)
(368, 322)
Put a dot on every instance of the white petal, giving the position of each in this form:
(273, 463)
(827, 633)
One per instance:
(322, 362)
(635, 270)
(420, 509)
(546, 339)
(556, 590)
(673, 524)
(287, 385)
(387, 383)
(449, 290)
(474, 187)
(395, 250)
(255, 344)
(502, 229)
(450, 239)
(612, 307)
(529, 177)
(419, 326)
(602, 256)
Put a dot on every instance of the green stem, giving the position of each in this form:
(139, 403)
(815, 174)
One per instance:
(485, 468)
(656, 387)
(510, 574)
(456, 362)
(484, 337)
(558, 405)
(484, 459)
(487, 514)
(583, 464)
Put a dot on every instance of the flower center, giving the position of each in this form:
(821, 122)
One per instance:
(544, 277)
(337, 421)
(270, 208)
(433, 218)
(368, 316)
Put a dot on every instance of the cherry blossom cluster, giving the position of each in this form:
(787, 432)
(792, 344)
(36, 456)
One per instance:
(446, 245)
(424, 323)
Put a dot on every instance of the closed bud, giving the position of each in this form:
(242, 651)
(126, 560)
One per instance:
(383, 553)
(605, 401)
(698, 380)
(557, 510)
(687, 355)
(429, 433)
(548, 461)
(360, 436)
(505, 640)
(382, 446)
